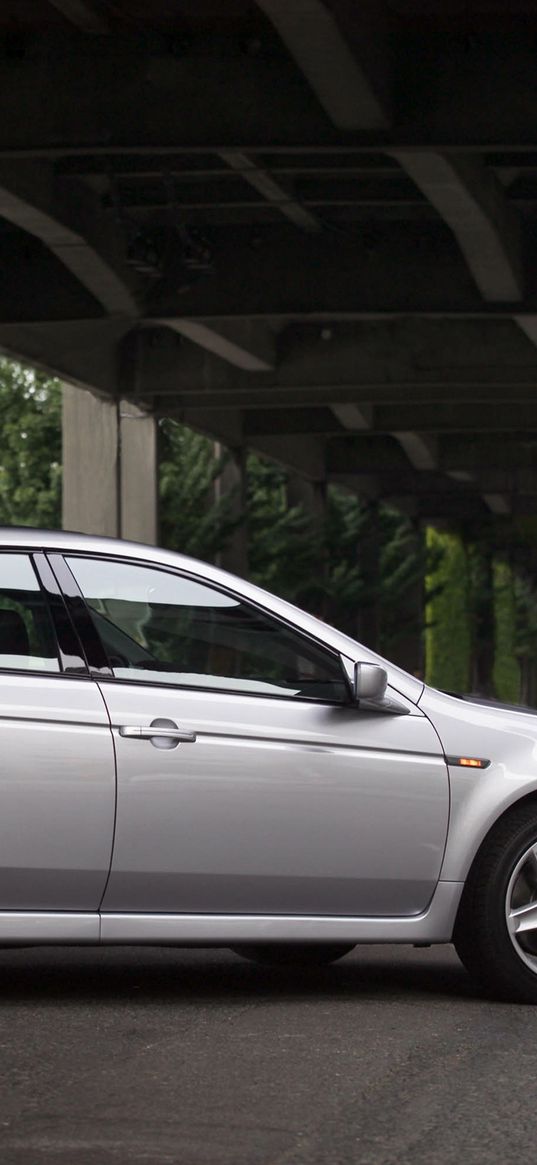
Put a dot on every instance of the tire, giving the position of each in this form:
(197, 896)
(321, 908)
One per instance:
(293, 954)
(500, 958)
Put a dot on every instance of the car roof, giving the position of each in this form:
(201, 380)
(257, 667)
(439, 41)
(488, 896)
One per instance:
(34, 536)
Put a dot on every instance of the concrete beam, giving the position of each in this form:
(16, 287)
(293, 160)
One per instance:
(413, 483)
(481, 454)
(302, 455)
(411, 425)
(500, 417)
(223, 425)
(377, 360)
(359, 395)
(83, 14)
(485, 456)
(274, 194)
(246, 345)
(450, 508)
(473, 204)
(465, 194)
(84, 352)
(483, 97)
(69, 221)
(346, 87)
(353, 416)
(395, 277)
(528, 325)
(123, 92)
(497, 503)
(420, 448)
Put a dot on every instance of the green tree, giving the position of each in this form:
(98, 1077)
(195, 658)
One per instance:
(192, 520)
(448, 631)
(30, 449)
(506, 671)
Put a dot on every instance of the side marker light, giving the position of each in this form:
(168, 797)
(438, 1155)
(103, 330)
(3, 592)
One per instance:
(468, 762)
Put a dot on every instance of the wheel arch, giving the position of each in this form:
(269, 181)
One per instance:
(514, 806)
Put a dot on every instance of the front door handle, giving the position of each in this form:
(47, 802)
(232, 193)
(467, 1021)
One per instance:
(162, 733)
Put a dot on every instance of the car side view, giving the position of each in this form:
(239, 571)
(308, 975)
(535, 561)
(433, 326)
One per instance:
(188, 760)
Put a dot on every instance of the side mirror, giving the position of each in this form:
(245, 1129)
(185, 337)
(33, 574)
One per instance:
(370, 681)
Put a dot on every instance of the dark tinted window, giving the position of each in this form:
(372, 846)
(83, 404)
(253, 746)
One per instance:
(27, 640)
(161, 627)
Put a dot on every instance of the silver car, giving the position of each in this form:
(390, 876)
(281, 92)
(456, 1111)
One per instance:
(188, 760)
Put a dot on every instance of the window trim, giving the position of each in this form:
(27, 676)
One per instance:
(34, 554)
(107, 672)
(94, 652)
(71, 653)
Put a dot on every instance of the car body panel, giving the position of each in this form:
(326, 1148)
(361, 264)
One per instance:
(279, 806)
(433, 925)
(27, 928)
(507, 739)
(195, 861)
(57, 793)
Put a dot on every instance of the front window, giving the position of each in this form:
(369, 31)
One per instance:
(164, 628)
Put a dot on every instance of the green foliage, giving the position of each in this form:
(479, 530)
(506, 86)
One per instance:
(308, 562)
(327, 567)
(284, 546)
(448, 633)
(30, 447)
(404, 562)
(506, 671)
(192, 519)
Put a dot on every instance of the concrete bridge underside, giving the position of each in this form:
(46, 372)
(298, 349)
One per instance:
(307, 227)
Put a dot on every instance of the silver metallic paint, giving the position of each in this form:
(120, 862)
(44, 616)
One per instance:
(57, 792)
(432, 926)
(480, 796)
(281, 806)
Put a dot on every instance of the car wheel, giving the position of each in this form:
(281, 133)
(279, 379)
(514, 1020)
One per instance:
(496, 930)
(294, 954)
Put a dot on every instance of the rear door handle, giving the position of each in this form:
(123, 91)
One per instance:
(162, 733)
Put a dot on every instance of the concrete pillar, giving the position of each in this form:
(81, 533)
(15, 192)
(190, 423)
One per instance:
(110, 483)
(138, 475)
(232, 480)
(90, 500)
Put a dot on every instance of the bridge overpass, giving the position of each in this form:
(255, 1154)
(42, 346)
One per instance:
(304, 227)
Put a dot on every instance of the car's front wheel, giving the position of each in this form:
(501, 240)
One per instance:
(496, 930)
(294, 954)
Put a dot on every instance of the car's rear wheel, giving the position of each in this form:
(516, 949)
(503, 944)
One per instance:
(496, 930)
(294, 954)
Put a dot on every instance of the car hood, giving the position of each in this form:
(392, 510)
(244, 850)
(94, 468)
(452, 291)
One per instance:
(489, 702)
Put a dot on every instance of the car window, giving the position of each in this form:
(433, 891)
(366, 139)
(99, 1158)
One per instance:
(162, 627)
(27, 640)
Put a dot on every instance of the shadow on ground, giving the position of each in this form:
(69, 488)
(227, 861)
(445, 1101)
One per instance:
(54, 976)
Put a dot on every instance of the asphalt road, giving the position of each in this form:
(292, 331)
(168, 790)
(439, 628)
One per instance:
(197, 1057)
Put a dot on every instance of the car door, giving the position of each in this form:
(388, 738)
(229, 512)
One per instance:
(247, 780)
(57, 775)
